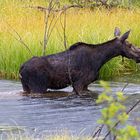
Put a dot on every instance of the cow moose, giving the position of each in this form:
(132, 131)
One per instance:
(77, 66)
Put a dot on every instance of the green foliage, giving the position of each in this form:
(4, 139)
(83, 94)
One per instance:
(106, 3)
(115, 113)
(128, 133)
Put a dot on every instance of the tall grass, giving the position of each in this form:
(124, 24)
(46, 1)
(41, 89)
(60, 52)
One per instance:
(91, 26)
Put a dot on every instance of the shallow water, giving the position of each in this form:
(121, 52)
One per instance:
(57, 113)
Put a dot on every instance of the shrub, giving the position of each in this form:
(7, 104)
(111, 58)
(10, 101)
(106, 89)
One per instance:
(106, 3)
(116, 113)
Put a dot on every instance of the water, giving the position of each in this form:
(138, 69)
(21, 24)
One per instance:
(57, 113)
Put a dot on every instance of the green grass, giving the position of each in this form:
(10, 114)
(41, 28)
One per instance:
(91, 26)
(136, 3)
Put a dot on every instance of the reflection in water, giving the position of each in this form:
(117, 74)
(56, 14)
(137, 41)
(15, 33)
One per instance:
(50, 94)
(61, 94)
(57, 111)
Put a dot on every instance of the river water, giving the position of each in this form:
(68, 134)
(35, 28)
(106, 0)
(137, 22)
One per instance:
(57, 113)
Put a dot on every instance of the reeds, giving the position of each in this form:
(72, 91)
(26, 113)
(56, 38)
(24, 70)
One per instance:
(91, 26)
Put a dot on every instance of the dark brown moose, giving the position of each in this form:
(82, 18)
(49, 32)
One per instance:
(78, 66)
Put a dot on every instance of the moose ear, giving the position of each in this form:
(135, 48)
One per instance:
(124, 36)
(117, 32)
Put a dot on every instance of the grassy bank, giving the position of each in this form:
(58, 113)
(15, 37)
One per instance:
(91, 26)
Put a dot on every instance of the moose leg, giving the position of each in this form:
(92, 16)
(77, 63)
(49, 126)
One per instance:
(37, 87)
(86, 88)
(25, 87)
(82, 84)
(24, 82)
(38, 84)
(78, 87)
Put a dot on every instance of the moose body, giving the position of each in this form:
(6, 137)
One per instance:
(78, 66)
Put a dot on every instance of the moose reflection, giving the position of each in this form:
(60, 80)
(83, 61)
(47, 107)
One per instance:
(78, 66)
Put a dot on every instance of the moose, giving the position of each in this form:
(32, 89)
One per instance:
(77, 66)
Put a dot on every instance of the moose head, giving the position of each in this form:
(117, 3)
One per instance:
(127, 49)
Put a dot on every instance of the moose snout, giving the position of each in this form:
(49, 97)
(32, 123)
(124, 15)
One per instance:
(135, 52)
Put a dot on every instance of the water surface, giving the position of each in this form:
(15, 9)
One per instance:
(38, 116)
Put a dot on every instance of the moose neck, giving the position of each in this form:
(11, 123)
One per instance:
(107, 51)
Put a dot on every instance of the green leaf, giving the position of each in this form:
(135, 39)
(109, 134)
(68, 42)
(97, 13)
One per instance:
(132, 131)
(105, 85)
(123, 117)
(112, 110)
(104, 112)
(120, 96)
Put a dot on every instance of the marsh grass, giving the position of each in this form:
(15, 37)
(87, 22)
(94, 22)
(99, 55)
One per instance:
(91, 26)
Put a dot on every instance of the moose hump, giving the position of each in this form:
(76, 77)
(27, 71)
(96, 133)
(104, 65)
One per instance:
(80, 44)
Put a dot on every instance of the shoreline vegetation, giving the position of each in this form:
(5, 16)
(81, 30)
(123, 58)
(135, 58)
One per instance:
(83, 25)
